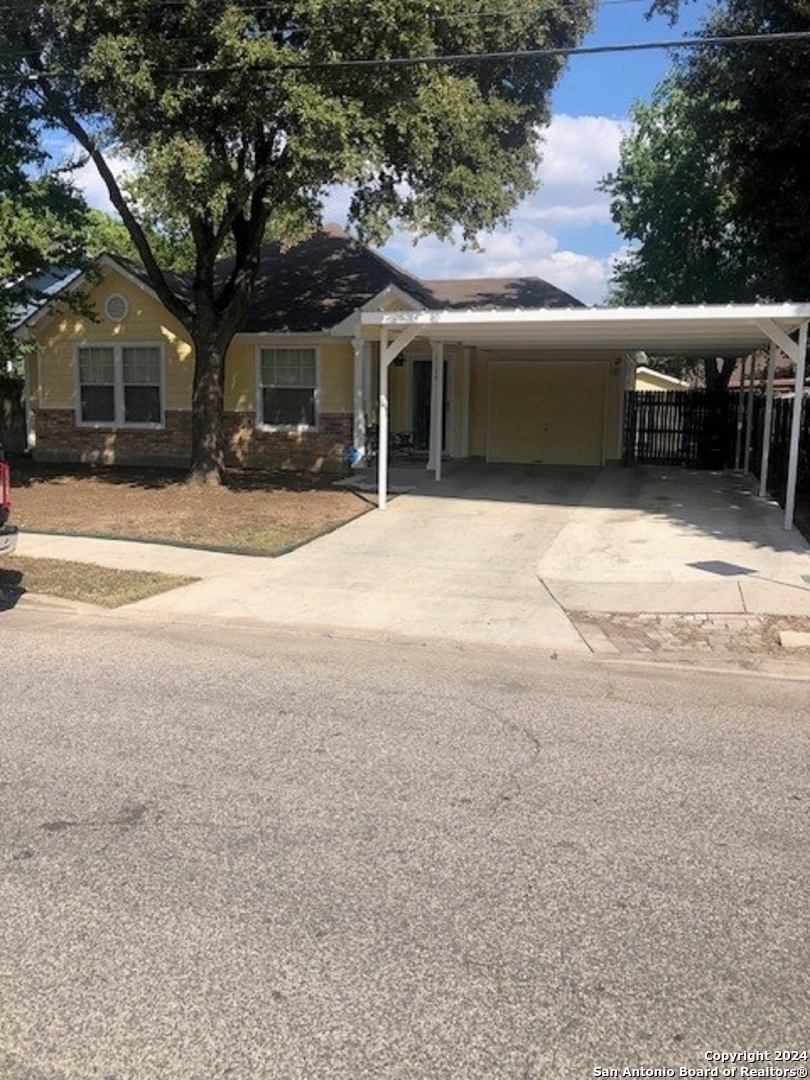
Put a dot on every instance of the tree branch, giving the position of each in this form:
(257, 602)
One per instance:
(62, 112)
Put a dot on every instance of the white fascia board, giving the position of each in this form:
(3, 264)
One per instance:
(78, 282)
(108, 263)
(787, 315)
(351, 325)
(698, 329)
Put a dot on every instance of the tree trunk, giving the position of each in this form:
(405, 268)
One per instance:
(207, 404)
(718, 372)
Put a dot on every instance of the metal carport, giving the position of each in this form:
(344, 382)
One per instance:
(700, 330)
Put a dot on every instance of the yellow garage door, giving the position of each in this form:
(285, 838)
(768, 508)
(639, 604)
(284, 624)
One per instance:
(546, 412)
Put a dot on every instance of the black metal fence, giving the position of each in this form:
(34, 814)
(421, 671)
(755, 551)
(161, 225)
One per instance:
(698, 430)
(692, 428)
(780, 447)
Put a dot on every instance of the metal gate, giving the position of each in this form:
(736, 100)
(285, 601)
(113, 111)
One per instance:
(692, 428)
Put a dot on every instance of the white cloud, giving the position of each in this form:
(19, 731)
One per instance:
(525, 252)
(95, 190)
(577, 153)
(579, 150)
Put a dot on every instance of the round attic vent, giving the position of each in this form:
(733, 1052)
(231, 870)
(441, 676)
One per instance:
(116, 307)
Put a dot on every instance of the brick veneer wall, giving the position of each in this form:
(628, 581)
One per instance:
(59, 439)
(306, 451)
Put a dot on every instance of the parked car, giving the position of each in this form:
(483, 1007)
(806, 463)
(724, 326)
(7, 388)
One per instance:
(8, 533)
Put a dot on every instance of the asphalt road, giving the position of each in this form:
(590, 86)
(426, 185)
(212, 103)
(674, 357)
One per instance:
(234, 853)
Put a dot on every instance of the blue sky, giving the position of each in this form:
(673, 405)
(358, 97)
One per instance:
(563, 232)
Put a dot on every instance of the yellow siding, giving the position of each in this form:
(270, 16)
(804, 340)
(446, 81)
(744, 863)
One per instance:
(337, 378)
(146, 321)
(614, 395)
(240, 378)
(547, 412)
(479, 406)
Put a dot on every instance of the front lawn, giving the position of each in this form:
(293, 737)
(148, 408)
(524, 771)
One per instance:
(256, 513)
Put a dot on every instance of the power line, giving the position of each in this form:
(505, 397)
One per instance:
(435, 60)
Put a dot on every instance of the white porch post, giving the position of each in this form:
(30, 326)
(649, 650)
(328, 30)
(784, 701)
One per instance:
(388, 351)
(749, 413)
(738, 446)
(368, 364)
(382, 425)
(359, 425)
(436, 408)
(795, 427)
(766, 425)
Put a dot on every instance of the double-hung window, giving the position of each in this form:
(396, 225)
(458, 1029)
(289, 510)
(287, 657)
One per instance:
(120, 385)
(288, 388)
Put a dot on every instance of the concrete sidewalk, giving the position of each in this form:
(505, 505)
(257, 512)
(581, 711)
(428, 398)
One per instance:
(499, 557)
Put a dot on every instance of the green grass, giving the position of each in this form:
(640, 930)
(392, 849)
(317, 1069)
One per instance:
(82, 581)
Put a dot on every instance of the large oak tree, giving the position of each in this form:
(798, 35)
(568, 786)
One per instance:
(240, 115)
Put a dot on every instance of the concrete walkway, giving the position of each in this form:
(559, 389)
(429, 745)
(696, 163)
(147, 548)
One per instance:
(497, 555)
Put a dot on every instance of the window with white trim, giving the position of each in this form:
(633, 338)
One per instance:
(121, 385)
(288, 387)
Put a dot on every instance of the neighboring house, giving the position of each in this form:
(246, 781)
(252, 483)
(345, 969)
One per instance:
(649, 379)
(300, 382)
(784, 383)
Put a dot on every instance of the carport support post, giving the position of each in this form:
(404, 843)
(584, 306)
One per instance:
(388, 352)
(359, 425)
(767, 424)
(382, 425)
(749, 414)
(436, 408)
(795, 427)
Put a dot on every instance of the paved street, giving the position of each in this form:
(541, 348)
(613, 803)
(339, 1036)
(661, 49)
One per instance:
(232, 852)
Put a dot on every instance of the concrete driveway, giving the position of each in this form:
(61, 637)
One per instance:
(498, 555)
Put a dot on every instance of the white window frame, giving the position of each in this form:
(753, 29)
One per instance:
(118, 386)
(260, 386)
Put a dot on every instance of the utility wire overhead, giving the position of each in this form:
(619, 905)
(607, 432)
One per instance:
(796, 36)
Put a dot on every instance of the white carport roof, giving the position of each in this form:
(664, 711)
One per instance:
(694, 330)
(703, 330)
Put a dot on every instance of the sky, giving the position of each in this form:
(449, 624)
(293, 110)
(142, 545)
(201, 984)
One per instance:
(562, 232)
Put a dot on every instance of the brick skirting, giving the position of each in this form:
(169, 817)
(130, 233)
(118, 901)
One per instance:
(323, 450)
(59, 439)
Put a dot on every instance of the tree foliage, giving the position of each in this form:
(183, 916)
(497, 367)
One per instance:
(239, 117)
(41, 214)
(107, 235)
(713, 185)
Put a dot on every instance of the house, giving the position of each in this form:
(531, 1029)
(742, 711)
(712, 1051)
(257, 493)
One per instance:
(301, 383)
(649, 379)
(336, 338)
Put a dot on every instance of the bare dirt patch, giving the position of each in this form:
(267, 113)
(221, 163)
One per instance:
(81, 581)
(256, 512)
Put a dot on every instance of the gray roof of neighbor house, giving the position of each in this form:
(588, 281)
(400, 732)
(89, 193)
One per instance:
(38, 289)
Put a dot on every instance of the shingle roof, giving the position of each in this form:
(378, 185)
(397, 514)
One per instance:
(494, 293)
(319, 282)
